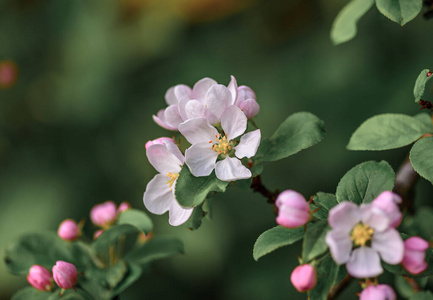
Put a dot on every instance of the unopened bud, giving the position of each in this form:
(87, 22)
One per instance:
(40, 278)
(293, 209)
(8, 74)
(65, 274)
(378, 292)
(123, 207)
(304, 278)
(159, 141)
(414, 255)
(104, 214)
(69, 230)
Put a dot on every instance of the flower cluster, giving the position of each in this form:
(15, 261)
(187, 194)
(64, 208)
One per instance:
(213, 118)
(64, 274)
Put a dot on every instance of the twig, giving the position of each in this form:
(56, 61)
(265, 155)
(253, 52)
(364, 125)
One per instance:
(258, 187)
(333, 293)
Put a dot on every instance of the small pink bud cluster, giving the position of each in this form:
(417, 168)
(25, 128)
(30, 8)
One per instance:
(414, 255)
(304, 278)
(378, 292)
(293, 209)
(105, 214)
(64, 274)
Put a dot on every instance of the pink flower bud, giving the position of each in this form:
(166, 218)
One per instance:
(8, 74)
(123, 206)
(40, 278)
(159, 141)
(104, 214)
(388, 202)
(97, 233)
(304, 278)
(378, 292)
(414, 255)
(69, 230)
(293, 209)
(65, 274)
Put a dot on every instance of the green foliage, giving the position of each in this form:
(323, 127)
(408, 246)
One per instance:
(399, 11)
(325, 201)
(136, 218)
(198, 214)
(422, 296)
(191, 191)
(326, 271)
(404, 288)
(298, 132)
(155, 248)
(422, 222)
(344, 26)
(421, 158)
(44, 248)
(420, 83)
(275, 238)
(400, 270)
(366, 181)
(109, 236)
(30, 293)
(109, 277)
(132, 275)
(387, 131)
(314, 241)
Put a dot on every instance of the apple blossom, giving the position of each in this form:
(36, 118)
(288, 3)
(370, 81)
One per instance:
(65, 274)
(104, 214)
(123, 207)
(40, 278)
(208, 145)
(293, 209)
(304, 278)
(414, 255)
(159, 141)
(69, 230)
(159, 196)
(360, 236)
(388, 202)
(244, 98)
(378, 292)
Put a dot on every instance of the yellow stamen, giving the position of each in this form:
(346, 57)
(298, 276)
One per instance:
(173, 177)
(361, 234)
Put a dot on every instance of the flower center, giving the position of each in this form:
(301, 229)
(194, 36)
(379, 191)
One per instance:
(222, 145)
(173, 177)
(361, 234)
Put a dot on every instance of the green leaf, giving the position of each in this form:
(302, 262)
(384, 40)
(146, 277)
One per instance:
(421, 158)
(109, 236)
(422, 296)
(133, 274)
(405, 288)
(420, 83)
(365, 182)
(327, 272)
(387, 131)
(244, 184)
(344, 26)
(275, 238)
(399, 11)
(325, 202)
(108, 278)
(422, 222)
(426, 119)
(155, 248)
(191, 191)
(136, 218)
(299, 131)
(314, 241)
(30, 293)
(194, 222)
(43, 248)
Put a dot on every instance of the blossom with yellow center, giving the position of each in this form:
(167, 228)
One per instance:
(173, 177)
(361, 234)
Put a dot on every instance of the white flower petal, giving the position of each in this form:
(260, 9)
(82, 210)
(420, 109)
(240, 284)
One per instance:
(390, 246)
(200, 159)
(344, 216)
(178, 214)
(217, 99)
(374, 217)
(195, 109)
(231, 169)
(201, 88)
(340, 245)
(158, 198)
(160, 120)
(173, 148)
(250, 107)
(163, 160)
(182, 91)
(182, 103)
(233, 122)
(244, 93)
(198, 130)
(172, 116)
(170, 97)
(233, 87)
(364, 263)
(248, 144)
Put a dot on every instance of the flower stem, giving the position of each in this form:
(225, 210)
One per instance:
(258, 187)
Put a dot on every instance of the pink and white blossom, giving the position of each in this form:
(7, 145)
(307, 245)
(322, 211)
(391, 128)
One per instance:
(414, 255)
(207, 99)
(159, 196)
(388, 202)
(208, 145)
(304, 278)
(293, 209)
(159, 141)
(361, 236)
(378, 292)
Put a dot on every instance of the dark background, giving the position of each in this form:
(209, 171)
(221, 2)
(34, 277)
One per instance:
(92, 73)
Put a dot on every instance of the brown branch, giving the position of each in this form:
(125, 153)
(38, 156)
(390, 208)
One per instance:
(335, 290)
(258, 187)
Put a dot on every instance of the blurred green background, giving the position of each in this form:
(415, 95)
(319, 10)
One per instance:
(91, 74)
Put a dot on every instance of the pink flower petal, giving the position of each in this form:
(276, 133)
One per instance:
(163, 160)
(218, 98)
(160, 120)
(200, 159)
(182, 91)
(158, 198)
(201, 88)
(250, 108)
(178, 214)
(248, 144)
(340, 245)
(172, 116)
(344, 216)
(233, 87)
(374, 217)
(198, 130)
(231, 169)
(364, 263)
(389, 245)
